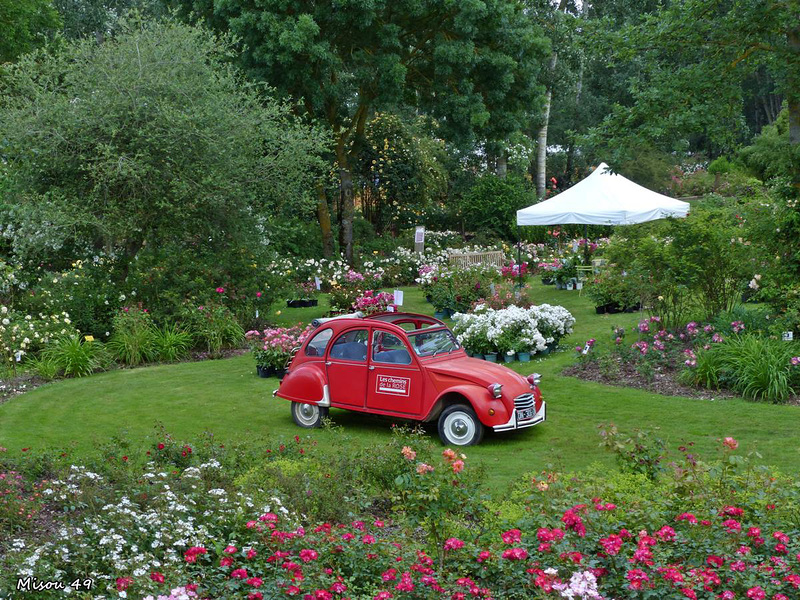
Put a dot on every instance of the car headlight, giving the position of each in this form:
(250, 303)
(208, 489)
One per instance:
(534, 379)
(495, 389)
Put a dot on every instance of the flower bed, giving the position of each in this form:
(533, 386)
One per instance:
(699, 359)
(455, 289)
(180, 525)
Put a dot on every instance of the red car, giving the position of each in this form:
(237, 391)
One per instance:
(410, 366)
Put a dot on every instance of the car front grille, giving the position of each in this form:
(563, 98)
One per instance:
(524, 401)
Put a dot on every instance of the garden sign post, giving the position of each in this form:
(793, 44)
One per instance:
(419, 239)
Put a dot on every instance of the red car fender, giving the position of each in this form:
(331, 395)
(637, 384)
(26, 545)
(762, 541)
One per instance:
(480, 400)
(305, 383)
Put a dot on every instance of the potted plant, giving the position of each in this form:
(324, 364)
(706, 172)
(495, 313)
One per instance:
(273, 347)
(441, 297)
(566, 274)
(372, 302)
(506, 342)
(303, 295)
(522, 350)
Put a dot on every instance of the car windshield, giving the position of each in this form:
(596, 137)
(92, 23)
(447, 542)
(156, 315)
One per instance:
(431, 343)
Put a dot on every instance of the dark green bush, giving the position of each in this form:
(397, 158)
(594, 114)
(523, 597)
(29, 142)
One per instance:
(491, 204)
(214, 327)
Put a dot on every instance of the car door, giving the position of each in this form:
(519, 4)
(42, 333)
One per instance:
(346, 366)
(395, 379)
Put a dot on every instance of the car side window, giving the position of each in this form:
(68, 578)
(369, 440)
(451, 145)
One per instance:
(317, 345)
(390, 349)
(351, 345)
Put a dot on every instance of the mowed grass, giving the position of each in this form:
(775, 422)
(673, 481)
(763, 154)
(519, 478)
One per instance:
(226, 398)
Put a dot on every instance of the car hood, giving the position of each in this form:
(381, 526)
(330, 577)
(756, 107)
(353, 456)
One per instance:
(480, 372)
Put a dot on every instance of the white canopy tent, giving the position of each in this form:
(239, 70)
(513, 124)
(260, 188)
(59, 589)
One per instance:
(603, 199)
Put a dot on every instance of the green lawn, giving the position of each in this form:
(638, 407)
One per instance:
(227, 398)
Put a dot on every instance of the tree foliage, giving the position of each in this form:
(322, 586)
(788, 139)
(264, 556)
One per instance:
(696, 58)
(145, 141)
(402, 172)
(25, 25)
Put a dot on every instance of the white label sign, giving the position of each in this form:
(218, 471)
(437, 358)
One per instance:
(419, 235)
(387, 384)
(788, 336)
(317, 282)
(398, 297)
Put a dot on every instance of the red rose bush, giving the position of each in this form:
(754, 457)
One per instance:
(722, 530)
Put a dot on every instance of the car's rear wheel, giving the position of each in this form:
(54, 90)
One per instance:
(459, 426)
(308, 415)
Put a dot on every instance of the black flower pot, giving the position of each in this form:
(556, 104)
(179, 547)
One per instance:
(295, 303)
(264, 371)
(313, 302)
(601, 310)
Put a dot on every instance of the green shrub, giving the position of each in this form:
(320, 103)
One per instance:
(132, 341)
(171, 343)
(707, 372)
(76, 357)
(46, 368)
(214, 327)
(492, 203)
(680, 267)
(758, 368)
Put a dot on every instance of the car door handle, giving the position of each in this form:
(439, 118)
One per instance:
(327, 363)
(372, 367)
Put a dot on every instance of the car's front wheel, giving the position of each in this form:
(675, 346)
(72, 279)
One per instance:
(308, 415)
(459, 426)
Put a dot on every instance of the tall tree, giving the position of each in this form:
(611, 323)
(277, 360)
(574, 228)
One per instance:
(25, 25)
(560, 26)
(463, 62)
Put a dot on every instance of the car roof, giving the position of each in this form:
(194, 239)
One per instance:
(393, 319)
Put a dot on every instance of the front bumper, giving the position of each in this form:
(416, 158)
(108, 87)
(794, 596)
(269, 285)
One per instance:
(539, 417)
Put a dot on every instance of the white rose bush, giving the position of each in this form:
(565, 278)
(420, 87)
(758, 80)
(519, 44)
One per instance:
(512, 329)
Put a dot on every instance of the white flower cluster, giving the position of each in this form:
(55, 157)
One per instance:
(403, 264)
(512, 328)
(20, 334)
(582, 586)
(136, 534)
(554, 321)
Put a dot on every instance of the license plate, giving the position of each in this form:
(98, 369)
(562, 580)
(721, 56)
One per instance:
(525, 414)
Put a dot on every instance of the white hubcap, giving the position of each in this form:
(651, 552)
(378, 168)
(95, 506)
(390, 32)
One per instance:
(460, 428)
(307, 413)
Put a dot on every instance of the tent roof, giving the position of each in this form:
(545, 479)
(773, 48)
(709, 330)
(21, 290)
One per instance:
(603, 199)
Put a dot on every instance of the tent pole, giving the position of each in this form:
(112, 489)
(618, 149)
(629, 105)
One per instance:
(519, 258)
(586, 243)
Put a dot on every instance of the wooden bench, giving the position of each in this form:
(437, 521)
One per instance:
(467, 259)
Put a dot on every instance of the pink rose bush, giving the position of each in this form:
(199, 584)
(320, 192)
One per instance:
(273, 347)
(371, 302)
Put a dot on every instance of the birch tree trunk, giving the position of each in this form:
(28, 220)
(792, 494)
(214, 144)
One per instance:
(541, 138)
